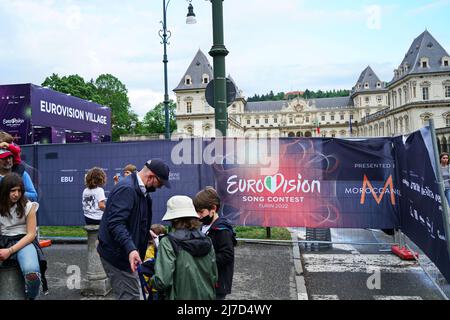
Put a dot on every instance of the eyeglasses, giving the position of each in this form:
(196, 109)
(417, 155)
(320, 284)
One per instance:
(157, 179)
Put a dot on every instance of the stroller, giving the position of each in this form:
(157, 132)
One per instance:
(147, 268)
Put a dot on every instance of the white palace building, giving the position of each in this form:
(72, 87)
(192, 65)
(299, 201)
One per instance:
(419, 91)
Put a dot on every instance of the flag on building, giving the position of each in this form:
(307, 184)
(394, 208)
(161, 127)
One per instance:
(318, 127)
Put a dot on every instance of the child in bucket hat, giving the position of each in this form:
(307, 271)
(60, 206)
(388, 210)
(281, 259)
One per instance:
(186, 263)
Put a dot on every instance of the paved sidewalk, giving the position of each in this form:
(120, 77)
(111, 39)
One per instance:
(262, 272)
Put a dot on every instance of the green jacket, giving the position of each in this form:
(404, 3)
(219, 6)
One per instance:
(192, 273)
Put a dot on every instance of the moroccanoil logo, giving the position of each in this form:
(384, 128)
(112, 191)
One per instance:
(272, 184)
(368, 188)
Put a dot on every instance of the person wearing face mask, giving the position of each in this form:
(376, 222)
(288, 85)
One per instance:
(219, 229)
(125, 227)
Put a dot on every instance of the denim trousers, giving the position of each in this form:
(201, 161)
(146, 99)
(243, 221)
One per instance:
(29, 264)
(447, 195)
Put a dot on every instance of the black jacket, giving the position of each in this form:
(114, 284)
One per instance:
(224, 241)
(125, 223)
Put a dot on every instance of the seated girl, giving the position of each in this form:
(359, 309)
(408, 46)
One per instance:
(18, 232)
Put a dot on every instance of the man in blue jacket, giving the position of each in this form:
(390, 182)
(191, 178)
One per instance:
(125, 227)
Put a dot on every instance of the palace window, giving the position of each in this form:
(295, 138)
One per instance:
(332, 118)
(342, 117)
(425, 93)
(447, 91)
(447, 121)
(307, 119)
(257, 121)
(380, 99)
(367, 99)
(248, 121)
(323, 118)
(266, 121)
(291, 120)
(188, 107)
(275, 120)
(188, 81)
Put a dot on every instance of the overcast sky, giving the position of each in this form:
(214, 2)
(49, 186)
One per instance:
(274, 45)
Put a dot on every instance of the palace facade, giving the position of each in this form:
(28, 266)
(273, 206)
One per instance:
(419, 91)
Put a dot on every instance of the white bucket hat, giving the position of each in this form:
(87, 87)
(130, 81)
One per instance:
(180, 207)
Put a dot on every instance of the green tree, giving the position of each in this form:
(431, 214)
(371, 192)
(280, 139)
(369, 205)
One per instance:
(111, 92)
(73, 85)
(154, 120)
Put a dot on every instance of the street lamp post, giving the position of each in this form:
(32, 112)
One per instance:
(165, 36)
(219, 52)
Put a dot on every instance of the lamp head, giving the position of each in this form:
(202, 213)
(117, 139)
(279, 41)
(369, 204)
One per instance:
(190, 18)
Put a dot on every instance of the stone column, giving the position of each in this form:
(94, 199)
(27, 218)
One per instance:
(12, 284)
(97, 282)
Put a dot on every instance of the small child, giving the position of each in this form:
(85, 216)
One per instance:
(7, 142)
(94, 200)
(129, 169)
(156, 231)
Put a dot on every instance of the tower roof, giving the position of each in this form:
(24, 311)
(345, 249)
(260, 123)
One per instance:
(368, 81)
(198, 67)
(424, 46)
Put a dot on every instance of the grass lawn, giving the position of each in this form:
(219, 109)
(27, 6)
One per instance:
(242, 232)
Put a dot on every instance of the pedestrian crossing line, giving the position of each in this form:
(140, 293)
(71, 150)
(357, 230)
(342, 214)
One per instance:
(346, 247)
(324, 297)
(358, 263)
(397, 298)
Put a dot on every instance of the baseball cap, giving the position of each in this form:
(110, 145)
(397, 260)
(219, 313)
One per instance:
(4, 153)
(160, 169)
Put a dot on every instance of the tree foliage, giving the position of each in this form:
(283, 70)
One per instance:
(154, 120)
(308, 94)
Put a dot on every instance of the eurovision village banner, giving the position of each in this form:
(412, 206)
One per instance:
(378, 183)
(27, 110)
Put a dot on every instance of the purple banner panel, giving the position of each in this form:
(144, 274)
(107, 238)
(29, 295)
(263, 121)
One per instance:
(15, 112)
(51, 108)
(422, 213)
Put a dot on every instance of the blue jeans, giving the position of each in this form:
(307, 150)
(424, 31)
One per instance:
(447, 195)
(29, 264)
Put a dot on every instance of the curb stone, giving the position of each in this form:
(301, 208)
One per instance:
(299, 278)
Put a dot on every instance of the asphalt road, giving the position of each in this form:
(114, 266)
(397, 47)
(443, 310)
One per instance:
(273, 272)
(261, 272)
(365, 272)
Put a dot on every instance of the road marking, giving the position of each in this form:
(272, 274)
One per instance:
(358, 263)
(397, 298)
(302, 296)
(324, 297)
(346, 247)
